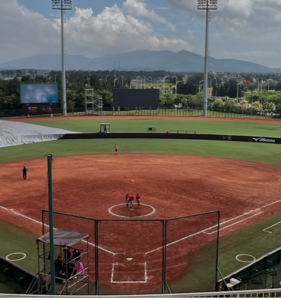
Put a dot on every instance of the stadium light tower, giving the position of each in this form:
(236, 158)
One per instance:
(206, 5)
(62, 5)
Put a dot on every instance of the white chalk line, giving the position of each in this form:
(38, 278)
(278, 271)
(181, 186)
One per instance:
(129, 281)
(203, 231)
(265, 229)
(221, 228)
(13, 211)
(119, 216)
(179, 240)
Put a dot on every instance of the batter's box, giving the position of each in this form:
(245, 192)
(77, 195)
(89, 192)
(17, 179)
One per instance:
(128, 270)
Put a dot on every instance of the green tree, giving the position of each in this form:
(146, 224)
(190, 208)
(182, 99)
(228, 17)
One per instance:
(71, 105)
(269, 106)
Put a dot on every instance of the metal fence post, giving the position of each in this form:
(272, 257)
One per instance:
(164, 222)
(96, 257)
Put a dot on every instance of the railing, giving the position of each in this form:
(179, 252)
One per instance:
(148, 111)
(267, 293)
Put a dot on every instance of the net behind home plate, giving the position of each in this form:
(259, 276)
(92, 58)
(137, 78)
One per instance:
(147, 256)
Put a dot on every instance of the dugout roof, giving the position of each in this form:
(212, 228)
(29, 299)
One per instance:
(63, 237)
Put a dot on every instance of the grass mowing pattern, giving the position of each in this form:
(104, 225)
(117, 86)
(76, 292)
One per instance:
(241, 241)
(142, 124)
(264, 153)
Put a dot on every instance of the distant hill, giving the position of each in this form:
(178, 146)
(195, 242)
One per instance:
(139, 60)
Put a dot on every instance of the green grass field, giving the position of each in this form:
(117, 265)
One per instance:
(249, 240)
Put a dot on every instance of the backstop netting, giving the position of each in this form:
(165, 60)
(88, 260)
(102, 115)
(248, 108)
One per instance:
(191, 253)
(147, 256)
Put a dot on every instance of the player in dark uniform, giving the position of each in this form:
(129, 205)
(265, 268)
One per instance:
(24, 172)
(138, 199)
(127, 199)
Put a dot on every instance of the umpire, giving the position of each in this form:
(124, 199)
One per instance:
(24, 172)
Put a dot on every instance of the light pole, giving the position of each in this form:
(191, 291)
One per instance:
(143, 81)
(164, 84)
(268, 80)
(199, 84)
(216, 86)
(238, 90)
(106, 77)
(62, 5)
(206, 5)
(158, 81)
(176, 85)
(115, 80)
(140, 79)
(122, 79)
(151, 80)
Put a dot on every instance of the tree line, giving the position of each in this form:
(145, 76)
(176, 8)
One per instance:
(176, 90)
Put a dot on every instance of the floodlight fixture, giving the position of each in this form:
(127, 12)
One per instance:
(62, 5)
(206, 5)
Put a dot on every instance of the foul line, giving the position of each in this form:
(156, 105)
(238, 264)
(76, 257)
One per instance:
(203, 231)
(92, 244)
(221, 228)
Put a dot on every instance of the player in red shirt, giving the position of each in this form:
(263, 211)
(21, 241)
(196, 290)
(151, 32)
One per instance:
(131, 202)
(138, 199)
(127, 199)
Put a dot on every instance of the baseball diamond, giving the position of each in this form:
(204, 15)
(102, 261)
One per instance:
(172, 186)
(90, 187)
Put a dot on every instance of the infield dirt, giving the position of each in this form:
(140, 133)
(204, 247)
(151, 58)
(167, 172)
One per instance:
(174, 185)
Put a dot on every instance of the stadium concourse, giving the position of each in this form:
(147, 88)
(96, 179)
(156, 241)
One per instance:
(18, 133)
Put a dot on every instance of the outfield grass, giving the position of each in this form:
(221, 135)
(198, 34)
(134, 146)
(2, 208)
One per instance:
(241, 241)
(264, 153)
(142, 124)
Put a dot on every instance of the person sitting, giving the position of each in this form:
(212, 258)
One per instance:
(79, 269)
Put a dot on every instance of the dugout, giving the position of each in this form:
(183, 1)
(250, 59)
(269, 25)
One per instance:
(105, 127)
(73, 248)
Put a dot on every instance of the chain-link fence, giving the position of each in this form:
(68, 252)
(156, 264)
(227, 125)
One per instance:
(146, 256)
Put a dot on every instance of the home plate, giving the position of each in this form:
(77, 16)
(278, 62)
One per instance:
(129, 258)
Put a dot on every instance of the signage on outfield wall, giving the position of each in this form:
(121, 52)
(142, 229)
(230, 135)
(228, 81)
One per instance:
(171, 135)
(264, 140)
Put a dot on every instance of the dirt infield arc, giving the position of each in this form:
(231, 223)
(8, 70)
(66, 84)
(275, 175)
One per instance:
(173, 185)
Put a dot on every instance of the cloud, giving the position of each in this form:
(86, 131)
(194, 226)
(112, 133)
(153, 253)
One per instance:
(25, 33)
(112, 31)
(138, 8)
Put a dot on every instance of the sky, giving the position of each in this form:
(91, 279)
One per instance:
(239, 29)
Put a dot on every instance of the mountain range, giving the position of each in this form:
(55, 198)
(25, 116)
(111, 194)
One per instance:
(140, 60)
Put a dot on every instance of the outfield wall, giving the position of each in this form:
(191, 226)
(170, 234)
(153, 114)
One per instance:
(189, 136)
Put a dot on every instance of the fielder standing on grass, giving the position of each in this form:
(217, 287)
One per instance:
(138, 199)
(24, 173)
(116, 148)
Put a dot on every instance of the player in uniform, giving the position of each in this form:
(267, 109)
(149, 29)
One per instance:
(24, 172)
(131, 202)
(127, 199)
(116, 148)
(138, 199)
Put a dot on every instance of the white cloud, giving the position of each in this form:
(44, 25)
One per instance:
(112, 31)
(138, 8)
(27, 33)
